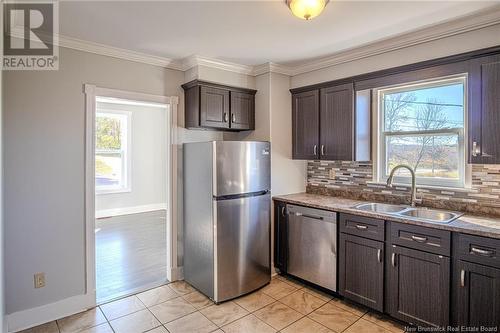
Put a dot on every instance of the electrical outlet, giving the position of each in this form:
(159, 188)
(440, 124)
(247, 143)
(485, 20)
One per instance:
(331, 174)
(39, 280)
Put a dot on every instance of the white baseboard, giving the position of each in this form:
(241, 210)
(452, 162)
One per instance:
(25, 319)
(129, 210)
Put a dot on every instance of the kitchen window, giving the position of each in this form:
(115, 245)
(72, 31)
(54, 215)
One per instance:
(112, 155)
(423, 125)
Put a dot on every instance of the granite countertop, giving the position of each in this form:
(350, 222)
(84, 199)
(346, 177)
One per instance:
(469, 224)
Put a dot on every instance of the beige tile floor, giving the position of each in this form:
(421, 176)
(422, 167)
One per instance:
(282, 306)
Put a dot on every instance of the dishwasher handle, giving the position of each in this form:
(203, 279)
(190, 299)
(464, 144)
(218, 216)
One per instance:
(309, 216)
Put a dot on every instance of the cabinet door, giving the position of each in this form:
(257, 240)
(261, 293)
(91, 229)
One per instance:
(418, 286)
(214, 107)
(242, 111)
(484, 110)
(476, 295)
(305, 125)
(337, 123)
(280, 236)
(361, 270)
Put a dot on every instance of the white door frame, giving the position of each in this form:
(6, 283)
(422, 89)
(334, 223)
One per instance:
(91, 92)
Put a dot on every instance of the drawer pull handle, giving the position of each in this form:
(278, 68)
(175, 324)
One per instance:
(225, 117)
(282, 210)
(486, 253)
(418, 239)
(462, 278)
(361, 227)
(393, 259)
(379, 255)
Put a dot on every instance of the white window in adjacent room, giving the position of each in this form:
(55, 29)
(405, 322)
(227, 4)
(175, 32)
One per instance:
(112, 155)
(423, 125)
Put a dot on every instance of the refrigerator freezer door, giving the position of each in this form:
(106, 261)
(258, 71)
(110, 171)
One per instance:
(242, 245)
(241, 167)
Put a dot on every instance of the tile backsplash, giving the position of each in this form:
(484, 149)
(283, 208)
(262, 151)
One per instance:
(355, 179)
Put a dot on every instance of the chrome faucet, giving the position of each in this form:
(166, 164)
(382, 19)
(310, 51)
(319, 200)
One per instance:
(414, 199)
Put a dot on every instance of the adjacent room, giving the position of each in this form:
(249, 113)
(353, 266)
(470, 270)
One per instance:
(131, 196)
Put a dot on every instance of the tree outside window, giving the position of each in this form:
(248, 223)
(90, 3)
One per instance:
(111, 151)
(423, 127)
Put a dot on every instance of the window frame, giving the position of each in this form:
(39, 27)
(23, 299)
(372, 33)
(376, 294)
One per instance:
(380, 157)
(125, 152)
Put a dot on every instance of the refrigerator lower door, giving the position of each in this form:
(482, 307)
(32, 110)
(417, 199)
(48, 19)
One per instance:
(242, 258)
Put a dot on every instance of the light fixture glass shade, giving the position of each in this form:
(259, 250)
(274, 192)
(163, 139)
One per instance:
(306, 9)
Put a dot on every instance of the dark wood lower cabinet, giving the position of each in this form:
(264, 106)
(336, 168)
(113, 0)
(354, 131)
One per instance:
(476, 295)
(418, 286)
(361, 270)
(280, 236)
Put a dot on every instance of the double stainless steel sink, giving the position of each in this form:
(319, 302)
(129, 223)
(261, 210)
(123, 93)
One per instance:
(412, 213)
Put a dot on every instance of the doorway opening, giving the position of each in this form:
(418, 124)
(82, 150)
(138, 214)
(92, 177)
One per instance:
(130, 160)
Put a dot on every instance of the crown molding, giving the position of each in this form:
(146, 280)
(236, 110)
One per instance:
(115, 52)
(197, 60)
(456, 26)
(270, 67)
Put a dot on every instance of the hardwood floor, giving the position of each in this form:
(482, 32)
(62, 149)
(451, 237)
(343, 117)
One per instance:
(131, 254)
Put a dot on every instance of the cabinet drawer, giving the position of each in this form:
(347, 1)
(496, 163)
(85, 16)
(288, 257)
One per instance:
(481, 250)
(421, 238)
(362, 226)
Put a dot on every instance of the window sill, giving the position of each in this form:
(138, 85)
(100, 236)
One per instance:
(429, 187)
(116, 191)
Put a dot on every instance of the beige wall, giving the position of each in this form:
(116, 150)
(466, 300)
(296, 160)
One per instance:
(470, 41)
(288, 176)
(3, 322)
(44, 124)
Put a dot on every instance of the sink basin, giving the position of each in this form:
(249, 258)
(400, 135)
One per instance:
(380, 208)
(430, 215)
(421, 214)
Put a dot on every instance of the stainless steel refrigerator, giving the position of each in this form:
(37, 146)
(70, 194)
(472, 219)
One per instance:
(227, 226)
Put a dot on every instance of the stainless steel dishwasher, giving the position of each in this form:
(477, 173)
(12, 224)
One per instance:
(312, 245)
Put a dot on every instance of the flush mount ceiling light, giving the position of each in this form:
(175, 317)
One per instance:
(306, 9)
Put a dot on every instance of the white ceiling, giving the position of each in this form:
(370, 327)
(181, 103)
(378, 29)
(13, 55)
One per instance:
(249, 32)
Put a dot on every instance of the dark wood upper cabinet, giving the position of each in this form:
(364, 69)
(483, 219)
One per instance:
(242, 111)
(476, 295)
(305, 125)
(418, 286)
(484, 110)
(361, 270)
(214, 106)
(337, 123)
(324, 124)
(280, 236)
